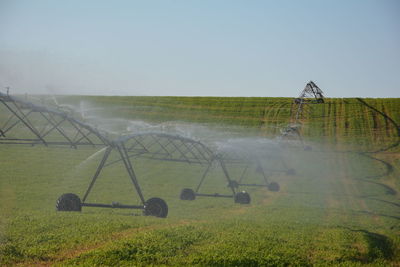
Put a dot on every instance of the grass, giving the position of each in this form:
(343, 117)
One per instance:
(341, 208)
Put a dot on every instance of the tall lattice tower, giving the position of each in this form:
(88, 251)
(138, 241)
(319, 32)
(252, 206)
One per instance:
(311, 94)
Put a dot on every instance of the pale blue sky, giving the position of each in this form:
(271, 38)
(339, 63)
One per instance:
(219, 48)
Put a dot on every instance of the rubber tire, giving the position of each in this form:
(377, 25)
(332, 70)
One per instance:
(156, 207)
(274, 187)
(242, 198)
(69, 202)
(291, 172)
(187, 194)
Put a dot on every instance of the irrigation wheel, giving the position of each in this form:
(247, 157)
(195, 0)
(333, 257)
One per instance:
(69, 202)
(274, 187)
(242, 197)
(187, 194)
(156, 207)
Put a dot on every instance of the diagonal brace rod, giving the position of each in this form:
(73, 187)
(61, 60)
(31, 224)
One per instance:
(202, 178)
(125, 158)
(224, 169)
(99, 168)
(33, 130)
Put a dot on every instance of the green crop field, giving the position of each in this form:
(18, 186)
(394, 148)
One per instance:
(342, 207)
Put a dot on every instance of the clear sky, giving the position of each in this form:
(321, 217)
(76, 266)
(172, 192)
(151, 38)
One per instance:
(201, 48)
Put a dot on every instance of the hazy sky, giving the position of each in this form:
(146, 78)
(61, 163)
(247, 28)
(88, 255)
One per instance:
(186, 47)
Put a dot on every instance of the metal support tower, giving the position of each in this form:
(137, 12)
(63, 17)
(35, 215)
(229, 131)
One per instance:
(311, 94)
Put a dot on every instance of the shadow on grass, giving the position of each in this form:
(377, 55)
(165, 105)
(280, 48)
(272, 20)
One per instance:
(384, 201)
(389, 167)
(379, 214)
(379, 246)
(389, 190)
(370, 197)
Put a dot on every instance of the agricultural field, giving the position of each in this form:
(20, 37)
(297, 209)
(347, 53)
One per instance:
(340, 207)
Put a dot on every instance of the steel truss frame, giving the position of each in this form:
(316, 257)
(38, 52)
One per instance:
(45, 126)
(52, 127)
(160, 147)
(248, 162)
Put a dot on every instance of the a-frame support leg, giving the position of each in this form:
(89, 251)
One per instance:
(99, 168)
(261, 170)
(203, 177)
(125, 158)
(228, 178)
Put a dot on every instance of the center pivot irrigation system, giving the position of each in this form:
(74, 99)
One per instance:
(23, 122)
